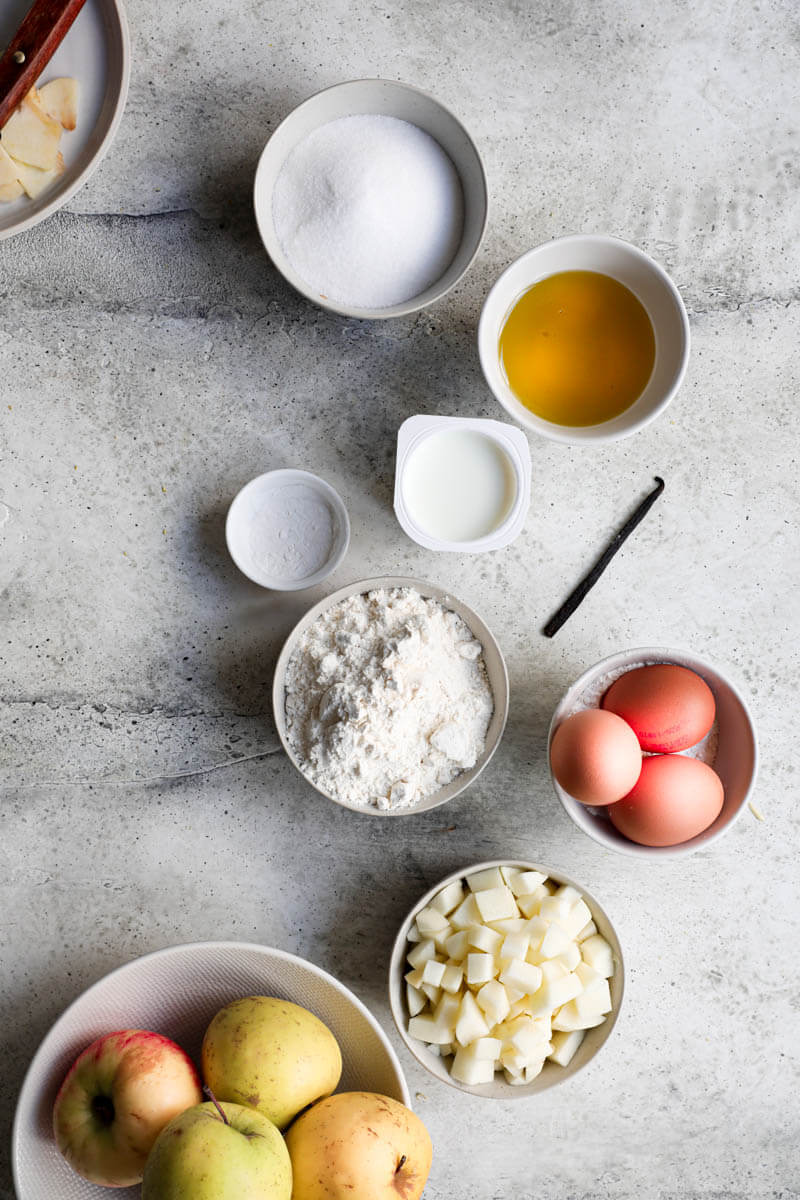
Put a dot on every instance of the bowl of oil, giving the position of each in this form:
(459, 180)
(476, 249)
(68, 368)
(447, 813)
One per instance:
(584, 339)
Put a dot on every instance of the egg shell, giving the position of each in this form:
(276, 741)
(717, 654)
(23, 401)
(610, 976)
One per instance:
(668, 707)
(674, 799)
(595, 756)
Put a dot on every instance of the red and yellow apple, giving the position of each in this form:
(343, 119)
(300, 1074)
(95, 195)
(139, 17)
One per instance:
(359, 1146)
(116, 1098)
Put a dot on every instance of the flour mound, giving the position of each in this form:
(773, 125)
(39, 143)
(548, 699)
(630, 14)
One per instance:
(387, 698)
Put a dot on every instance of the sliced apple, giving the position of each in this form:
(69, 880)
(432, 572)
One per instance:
(34, 180)
(10, 191)
(59, 99)
(31, 137)
(10, 187)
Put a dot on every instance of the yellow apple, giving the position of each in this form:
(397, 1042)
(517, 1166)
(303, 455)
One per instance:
(271, 1055)
(117, 1097)
(359, 1146)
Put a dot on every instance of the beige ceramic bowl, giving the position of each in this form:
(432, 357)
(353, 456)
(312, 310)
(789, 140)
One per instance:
(495, 670)
(735, 759)
(380, 97)
(551, 1073)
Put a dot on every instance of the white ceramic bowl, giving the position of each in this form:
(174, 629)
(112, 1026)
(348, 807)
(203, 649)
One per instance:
(382, 97)
(648, 282)
(495, 670)
(735, 760)
(250, 506)
(176, 992)
(551, 1074)
(96, 52)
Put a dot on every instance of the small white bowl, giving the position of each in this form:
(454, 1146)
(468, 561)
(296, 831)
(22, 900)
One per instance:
(551, 1074)
(642, 276)
(513, 444)
(251, 505)
(735, 760)
(380, 97)
(176, 992)
(495, 670)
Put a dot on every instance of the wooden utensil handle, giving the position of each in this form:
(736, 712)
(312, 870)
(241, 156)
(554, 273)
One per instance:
(33, 45)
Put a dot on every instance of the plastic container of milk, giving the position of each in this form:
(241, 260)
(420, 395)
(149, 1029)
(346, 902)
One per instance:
(462, 484)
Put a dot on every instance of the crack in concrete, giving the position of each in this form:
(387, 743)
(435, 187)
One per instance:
(142, 780)
(103, 706)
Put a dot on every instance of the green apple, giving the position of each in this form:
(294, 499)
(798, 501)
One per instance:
(271, 1055)
(359, 1146)
(117, 1097)
(218, 1152)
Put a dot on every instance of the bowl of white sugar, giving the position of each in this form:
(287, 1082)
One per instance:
(390, 696)
(371, 199)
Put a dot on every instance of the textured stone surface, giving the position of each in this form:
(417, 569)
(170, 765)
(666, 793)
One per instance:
(152, 362)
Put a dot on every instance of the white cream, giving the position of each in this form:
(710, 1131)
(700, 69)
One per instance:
(458, 485)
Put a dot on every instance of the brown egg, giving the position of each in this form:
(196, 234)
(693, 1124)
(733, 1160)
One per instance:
(595, 756)
(674, 799)
(668, 707)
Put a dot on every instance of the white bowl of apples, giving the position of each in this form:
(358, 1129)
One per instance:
(506, 979)
(124, 1108)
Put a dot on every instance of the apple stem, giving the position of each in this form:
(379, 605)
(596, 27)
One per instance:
(401, 1164)
(219, 1107)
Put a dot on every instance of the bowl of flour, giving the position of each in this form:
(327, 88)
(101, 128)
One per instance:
(390, 696)
(371, 199)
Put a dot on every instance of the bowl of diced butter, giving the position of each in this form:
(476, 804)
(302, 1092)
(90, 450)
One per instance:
(506, 979)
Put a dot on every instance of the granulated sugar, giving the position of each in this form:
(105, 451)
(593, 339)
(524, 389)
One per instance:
(368, 210)
(387, 698)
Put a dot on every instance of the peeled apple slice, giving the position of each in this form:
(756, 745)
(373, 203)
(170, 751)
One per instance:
(59, 99)
(31, 137)
(34, 180)
(10, 187)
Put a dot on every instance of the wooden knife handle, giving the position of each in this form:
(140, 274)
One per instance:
(35, 43)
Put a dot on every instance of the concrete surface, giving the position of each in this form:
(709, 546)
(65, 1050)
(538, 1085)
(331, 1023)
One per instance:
(152, 362)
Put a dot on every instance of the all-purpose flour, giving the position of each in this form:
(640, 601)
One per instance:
(387, 698)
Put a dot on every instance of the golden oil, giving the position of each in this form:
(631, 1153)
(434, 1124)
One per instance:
(577, 348)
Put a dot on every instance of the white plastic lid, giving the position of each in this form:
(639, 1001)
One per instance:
(510, 441)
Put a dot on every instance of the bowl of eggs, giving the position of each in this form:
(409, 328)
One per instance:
(506, 979)
(653, 752)
(584, 339)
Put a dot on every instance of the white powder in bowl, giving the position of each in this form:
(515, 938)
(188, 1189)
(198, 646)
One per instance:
(387, 698)
(293, 532)
(368, 210)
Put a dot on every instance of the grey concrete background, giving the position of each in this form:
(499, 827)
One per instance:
(152, 362)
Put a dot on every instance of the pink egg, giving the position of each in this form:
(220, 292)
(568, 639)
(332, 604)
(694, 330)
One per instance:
(668, 707)
(674, 799)
(595, 756)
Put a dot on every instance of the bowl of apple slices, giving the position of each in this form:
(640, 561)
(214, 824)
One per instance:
(506, 979)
